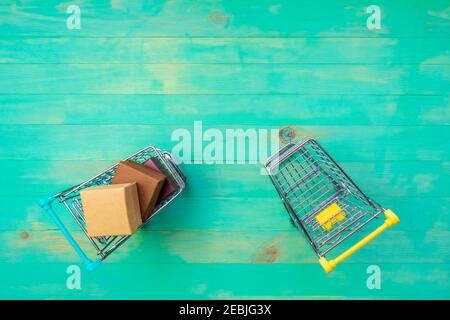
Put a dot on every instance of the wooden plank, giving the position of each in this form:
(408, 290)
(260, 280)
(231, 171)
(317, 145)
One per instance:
(222, 109)
(378, 179)
(224, 281)
(398, 245)
(114, 142)
(107, 50)
(223, 79)
(223, 18)
(22, 213)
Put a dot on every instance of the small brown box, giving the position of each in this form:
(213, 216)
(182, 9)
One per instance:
(111, 210)
(149, 183)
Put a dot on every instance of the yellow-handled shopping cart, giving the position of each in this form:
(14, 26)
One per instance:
(322, 200)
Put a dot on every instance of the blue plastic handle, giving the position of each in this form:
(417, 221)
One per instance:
(46, 204)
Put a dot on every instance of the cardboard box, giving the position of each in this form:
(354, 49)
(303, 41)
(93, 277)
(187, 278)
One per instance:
(168, 187)
(149, 183)
(111, 210)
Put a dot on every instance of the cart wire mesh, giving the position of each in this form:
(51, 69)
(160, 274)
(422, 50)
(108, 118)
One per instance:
(309, 182)
(71, 200)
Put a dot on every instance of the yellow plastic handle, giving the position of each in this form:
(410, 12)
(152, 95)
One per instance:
(391, 219)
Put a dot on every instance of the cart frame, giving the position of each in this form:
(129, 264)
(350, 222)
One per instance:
(70, 199)
(308, 181)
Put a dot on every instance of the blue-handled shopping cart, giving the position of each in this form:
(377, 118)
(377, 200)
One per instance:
(68, 201)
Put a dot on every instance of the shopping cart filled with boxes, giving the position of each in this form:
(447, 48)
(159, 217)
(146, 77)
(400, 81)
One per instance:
(322, 200)
(68, 203)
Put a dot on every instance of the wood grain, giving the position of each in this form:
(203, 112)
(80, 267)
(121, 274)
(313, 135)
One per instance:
(225, 79)
(220, 109)
(223, 18)
(73, 102)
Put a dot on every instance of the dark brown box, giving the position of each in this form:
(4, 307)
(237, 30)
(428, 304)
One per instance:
(168, 188)
(149, 183)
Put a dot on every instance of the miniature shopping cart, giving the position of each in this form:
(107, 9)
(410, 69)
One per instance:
(69, 201)
(322, 200)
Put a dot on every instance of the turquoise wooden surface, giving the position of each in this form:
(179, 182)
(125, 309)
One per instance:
(73, 102)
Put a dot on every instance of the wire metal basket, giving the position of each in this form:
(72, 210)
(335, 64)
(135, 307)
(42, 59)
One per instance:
(322, 200)
(70, 201)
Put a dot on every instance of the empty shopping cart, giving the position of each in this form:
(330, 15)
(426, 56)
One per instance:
(322, 200)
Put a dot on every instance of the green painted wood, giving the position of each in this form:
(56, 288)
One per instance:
(226, 281)
(227, 18)
(224, 246)
(114, 142)
(385, 179)
(183, 110)
(227, 79)
(72, 102)
(220, 213)
(107, 50)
